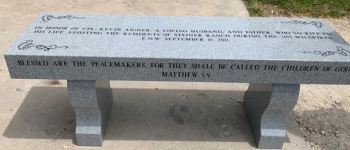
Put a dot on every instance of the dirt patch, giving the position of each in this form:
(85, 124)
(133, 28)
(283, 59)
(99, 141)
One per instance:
(322, 113)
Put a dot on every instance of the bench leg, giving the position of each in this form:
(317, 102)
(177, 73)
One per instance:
(267, 106)
(92, 102)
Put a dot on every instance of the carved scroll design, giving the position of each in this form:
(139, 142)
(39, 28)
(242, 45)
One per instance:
(314, 23)
(339, 51)
(29, 44)
(47, 18)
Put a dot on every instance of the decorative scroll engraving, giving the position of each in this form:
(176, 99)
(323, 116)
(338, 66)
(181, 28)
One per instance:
(29, 44)
(340, 51)
(47, 18)
(315, 23)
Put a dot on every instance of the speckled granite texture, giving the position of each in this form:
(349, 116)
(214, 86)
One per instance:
(267, 106)
(92, 102)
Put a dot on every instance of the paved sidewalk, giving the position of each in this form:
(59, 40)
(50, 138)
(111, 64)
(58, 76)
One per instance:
(36, 114)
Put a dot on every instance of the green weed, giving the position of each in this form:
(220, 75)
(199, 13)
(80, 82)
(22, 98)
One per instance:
(311, 8)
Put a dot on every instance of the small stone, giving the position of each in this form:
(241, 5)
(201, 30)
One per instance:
(307, 115)
(337, 101)
(337, 135)
(38, 83)
(57, 133)
(19, 90)
(239, 101)
(300, 120)
(343, 112)
(323, 132)
(67, 146)
(228, 133)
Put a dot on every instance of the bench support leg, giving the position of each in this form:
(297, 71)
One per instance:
(267, 106)
(92, 102)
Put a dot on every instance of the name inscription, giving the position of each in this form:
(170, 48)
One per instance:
(173, 35)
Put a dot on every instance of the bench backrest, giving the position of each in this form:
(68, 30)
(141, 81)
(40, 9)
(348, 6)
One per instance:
(169, 48)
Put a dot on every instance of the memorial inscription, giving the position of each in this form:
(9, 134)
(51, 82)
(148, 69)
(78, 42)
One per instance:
(193, 66)
(181, 34)
(275, 55)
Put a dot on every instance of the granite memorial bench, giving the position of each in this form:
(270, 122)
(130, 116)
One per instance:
(274, 55)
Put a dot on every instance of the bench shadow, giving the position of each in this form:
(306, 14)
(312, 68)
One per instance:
(181, 115)
(139, 114)
(45, 113)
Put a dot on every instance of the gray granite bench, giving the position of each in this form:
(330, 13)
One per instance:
(274, 55)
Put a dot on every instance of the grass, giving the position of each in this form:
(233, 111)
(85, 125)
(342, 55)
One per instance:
(310, 8)
(253, 8)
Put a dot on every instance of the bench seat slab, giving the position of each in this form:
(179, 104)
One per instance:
(92, 102)
(266, 107)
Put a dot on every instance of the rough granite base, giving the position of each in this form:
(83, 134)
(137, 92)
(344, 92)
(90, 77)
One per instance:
(267, 106)
(92, 102)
